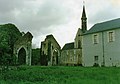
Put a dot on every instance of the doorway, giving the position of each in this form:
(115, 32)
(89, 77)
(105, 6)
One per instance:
(22, 57)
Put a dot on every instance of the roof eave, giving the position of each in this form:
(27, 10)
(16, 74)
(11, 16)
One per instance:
(100, 31)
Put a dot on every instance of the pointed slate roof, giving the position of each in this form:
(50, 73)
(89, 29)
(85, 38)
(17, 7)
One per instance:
(68, 46)
(108, 25)
(83, 13)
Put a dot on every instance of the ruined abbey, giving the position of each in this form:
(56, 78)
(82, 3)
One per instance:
(98, 46)
(70, 54)
(15, 46)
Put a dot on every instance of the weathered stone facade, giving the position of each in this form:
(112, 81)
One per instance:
(71, 53)
(50, 51)
(71, 57)
(15, 47)
(22, 49)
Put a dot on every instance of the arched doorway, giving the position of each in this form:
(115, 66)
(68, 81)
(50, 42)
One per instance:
(22, 56)
(55, 57)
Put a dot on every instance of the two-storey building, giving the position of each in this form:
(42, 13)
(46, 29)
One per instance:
(101, 44)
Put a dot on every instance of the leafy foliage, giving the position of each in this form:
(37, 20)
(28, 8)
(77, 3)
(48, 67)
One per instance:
(35, 56)
(9, 33)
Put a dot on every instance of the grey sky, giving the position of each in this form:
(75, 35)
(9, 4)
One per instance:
(58, 17)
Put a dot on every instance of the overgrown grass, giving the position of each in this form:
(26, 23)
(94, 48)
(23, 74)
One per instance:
(61, 75)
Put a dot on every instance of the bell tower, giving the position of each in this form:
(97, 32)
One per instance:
(84, 20)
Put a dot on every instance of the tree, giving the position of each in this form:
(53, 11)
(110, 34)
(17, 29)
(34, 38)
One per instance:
(9, 34)
(36, 56)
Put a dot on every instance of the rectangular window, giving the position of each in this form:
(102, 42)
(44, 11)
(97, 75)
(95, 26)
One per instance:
(96, 59)
(111, 36)
(95, 38)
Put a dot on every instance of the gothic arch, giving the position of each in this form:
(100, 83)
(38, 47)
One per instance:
(22, 49)
(55, 56)
(22, 56)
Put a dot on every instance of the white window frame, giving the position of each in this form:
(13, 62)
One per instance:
(111, 38)
(97, 38)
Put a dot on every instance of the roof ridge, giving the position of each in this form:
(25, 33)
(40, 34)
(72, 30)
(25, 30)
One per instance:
(68, 46)
(103, 26)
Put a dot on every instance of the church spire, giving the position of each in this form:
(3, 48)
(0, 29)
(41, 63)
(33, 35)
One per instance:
(84, 20)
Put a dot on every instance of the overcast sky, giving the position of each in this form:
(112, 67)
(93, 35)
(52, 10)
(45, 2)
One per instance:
(62, 18)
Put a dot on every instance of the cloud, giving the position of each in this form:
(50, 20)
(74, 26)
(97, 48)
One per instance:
(115, 2)
(58, 17)
(43, 18)
(101, 16)
(7, 5)
(25, 11)
(36, 16)
(99, 13)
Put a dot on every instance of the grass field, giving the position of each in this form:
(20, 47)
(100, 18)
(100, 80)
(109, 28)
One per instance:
(61, 75)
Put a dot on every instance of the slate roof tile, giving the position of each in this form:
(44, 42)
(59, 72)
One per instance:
(68, 46)
(108, 25)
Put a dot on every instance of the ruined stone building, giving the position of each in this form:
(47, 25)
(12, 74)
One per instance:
(23, 49)
(71, 53)
(50, 51)
(15, 47)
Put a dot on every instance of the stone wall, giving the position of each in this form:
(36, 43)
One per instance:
(25, 43)
(50, 51)
(71, 57)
